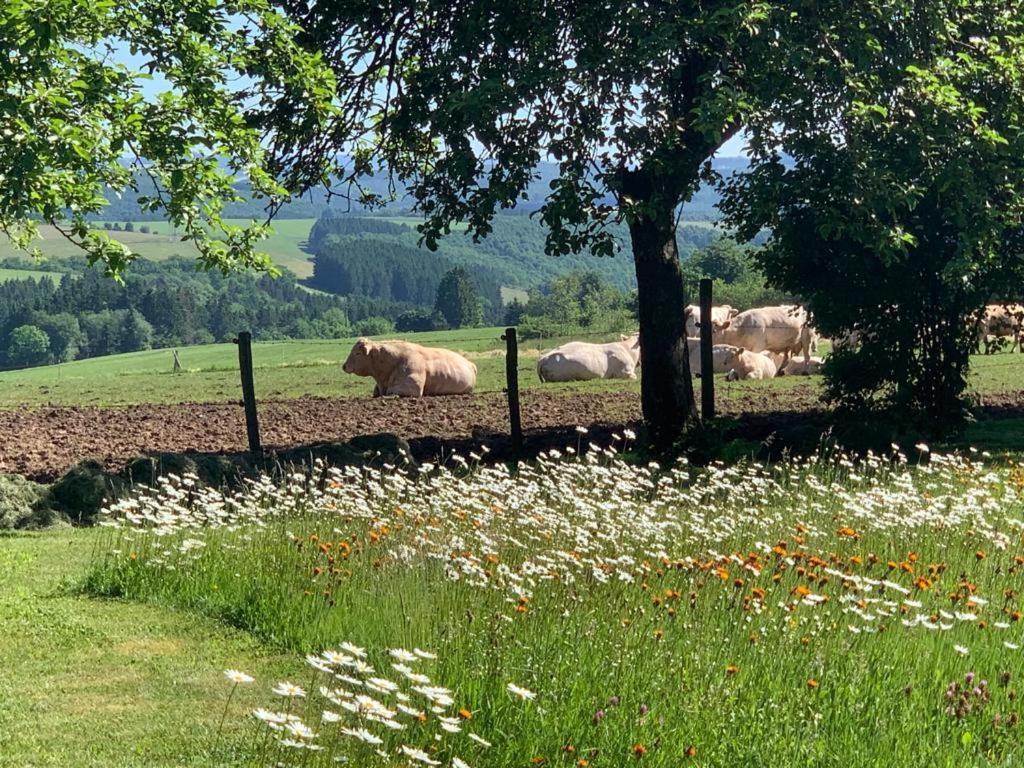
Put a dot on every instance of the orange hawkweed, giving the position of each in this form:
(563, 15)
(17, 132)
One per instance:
(812, 683)
(731, 669)
(691, 751)
(639, 749)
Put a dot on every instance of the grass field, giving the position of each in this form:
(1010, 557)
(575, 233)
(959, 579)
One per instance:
(98, 683)
(290, 369)
(599, 613)
(27, 274)
(285, 369)
(284, 246)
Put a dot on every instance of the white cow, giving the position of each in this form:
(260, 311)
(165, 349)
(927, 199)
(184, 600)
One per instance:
(810, 367)
(783, 330)
(722, 356)
(719, 317)
(751, 365)
(582, 361)
(1002, 320)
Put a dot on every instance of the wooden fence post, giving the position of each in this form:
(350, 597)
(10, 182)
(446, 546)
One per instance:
(252, 425)
(512, 389)
(707, 361)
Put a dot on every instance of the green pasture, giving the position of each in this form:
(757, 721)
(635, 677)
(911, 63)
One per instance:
(284, 246)
(7, 275)
(292, 369)
(284, 370)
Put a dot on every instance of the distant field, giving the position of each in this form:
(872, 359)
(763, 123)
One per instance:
(283, 246)
(292, 369)
(7, 275)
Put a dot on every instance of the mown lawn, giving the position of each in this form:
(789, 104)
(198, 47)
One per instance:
(87, 682)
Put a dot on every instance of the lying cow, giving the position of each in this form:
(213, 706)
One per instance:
(1002, 320)
(783, 330)
(410, 370)
(750, 365)
(582, 361)
(810, 367)
(721, 355)
(719, 317)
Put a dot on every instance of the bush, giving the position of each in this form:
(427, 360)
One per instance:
(374, 326)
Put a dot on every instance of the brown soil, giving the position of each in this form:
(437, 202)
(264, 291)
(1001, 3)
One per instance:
(41, 443)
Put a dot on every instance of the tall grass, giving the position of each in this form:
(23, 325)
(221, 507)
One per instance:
(809, 613)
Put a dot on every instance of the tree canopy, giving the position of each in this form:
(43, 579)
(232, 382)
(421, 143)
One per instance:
(76, 124)
(898, 214)
(630, 99)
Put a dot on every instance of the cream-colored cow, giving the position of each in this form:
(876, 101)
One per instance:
(411, 370)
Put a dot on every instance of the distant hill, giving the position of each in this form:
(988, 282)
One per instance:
(316, 202)
(511, 255)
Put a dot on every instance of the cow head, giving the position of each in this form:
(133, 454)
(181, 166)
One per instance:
(358, 361)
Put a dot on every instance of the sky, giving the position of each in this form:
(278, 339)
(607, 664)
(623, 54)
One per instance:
(732, 148)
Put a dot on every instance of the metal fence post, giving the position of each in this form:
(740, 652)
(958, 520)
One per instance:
(252, 425)
(512, 389)
(707, 361)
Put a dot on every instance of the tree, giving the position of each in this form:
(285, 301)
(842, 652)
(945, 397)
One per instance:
(76, 124)
(64, 333)
(418, 320)
(129, 227)
(136, 333)
(457, 300)
(28, 345)
(724, 259)
(630, 99)
(899, 214)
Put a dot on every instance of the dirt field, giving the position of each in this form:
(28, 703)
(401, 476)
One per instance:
(43, 442)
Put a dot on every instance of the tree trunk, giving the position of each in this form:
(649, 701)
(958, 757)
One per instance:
(666, 387)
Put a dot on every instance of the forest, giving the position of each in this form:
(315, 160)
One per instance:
(166, 303)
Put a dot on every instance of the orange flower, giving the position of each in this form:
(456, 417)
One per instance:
(812, 683)
(538, 760)
(582, 763)
(691, 751)
(732, 669)
(980, 554)
(465, 714)
(922, 583)
(639, 749)
(848, 532)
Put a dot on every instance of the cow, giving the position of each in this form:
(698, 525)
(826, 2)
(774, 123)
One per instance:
(783, 329)
(751, 365)
(722, 356)
(582, 361)
(719, 316)
(411, 370)
(1001, 320)
(810, 367)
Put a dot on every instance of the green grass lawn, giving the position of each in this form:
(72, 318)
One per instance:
(284, 369)
(86, 682)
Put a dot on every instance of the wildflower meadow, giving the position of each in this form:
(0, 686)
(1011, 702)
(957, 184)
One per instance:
(587, 610)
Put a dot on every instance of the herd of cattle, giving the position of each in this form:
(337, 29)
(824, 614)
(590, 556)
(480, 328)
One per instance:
(759, 343)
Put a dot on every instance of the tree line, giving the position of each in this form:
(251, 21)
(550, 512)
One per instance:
(168, 303)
